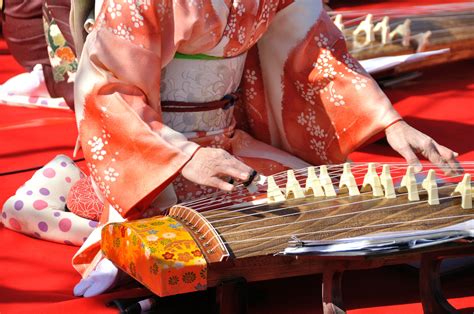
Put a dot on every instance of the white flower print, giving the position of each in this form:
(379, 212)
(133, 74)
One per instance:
(54, 30)
(241, 35)
(301, 119)
(352, 65)
(137, 18)
(309, 91)
(324, 64)
(308, 119)
(230, 27)
(323, 42)
(97, 148)
(319, 147)
(250, 76)
(336, 99)
(145, 4)
(110, 174)
(105, 188)
(359, 83)
(123, 31)
(239, 7)
(250, 93)
(114, 9)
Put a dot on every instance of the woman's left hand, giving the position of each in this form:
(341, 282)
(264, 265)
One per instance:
(408, 141)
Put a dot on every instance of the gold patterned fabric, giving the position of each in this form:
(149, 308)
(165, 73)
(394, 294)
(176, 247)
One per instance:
(158, 252)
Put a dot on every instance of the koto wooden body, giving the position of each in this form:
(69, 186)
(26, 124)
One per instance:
(243, 235)
(266, 229)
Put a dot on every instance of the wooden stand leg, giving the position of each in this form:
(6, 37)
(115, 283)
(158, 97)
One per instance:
(431, 294)
(231, 296)
(332, 292)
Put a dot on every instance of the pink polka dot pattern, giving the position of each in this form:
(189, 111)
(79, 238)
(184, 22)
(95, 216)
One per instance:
(14, 224)
(40, 204)
(65, 224)
(49, 173)
(37, 209)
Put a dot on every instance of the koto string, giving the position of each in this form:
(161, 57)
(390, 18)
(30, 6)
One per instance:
(319, 210)
(206, 214)
(376, 45)
(279, 177)
(226, 197)
(217, 201)
(416, 10)
(342, 229)
(379, 17)
(448, 31)
(321, 218)
(217, 197)
(310, 211)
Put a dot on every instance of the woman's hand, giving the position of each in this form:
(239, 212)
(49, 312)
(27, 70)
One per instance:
(210, 165)
(408, 141)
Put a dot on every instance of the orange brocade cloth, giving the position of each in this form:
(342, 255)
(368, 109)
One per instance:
(159, 252)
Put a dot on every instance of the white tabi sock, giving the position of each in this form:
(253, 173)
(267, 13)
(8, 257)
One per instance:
(26, 84)
(100, 280)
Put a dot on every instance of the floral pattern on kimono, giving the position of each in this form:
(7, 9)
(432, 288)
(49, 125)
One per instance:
(305, 98)
(62, 57)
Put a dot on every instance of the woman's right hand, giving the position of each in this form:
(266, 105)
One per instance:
(210, 166)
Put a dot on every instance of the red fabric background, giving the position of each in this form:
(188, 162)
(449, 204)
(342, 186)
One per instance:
(36, 276)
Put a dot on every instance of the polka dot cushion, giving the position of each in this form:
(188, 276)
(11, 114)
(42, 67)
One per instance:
(83, 201)
(38, 207)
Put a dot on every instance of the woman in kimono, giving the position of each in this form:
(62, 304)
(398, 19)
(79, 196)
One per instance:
(160, 119)
(39, 38)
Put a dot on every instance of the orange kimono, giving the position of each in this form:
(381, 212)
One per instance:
(304, 99)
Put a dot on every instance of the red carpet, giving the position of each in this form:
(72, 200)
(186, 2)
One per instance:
(36, 276)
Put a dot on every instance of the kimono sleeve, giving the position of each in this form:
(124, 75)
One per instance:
(324, 103)
(131, 155)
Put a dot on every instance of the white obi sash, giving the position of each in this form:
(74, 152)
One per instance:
(200, 81)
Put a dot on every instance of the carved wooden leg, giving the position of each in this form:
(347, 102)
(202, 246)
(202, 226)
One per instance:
(431, 294)
(332, 292)
(231, 297)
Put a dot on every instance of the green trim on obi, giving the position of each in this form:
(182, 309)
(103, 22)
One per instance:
(196, 57)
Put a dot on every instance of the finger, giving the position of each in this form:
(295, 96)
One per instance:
(431, 152)
(454, 168)
(243, 169)
(223, 170)
(410, 156)
(219, 184)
